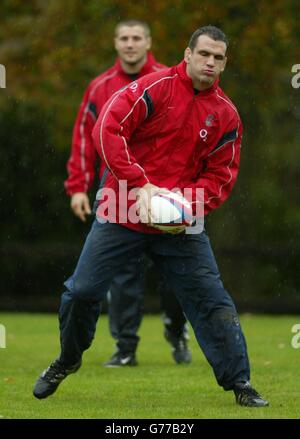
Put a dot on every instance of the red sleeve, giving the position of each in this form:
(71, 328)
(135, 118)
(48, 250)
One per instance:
(121, 115)
(81, 164)
(220, 171)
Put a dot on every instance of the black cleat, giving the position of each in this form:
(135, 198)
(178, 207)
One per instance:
(180, 350)
(246, 396)
(51, 378)
(121, 359)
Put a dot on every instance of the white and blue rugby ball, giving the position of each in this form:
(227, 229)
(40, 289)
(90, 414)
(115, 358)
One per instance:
(170, 210)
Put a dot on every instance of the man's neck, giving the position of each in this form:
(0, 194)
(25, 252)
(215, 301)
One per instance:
(132, 69)
(201, 86)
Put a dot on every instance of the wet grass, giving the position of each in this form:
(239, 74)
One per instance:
(157, 387)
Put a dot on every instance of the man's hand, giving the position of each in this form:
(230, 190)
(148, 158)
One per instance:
(143, 202)
(80, 205)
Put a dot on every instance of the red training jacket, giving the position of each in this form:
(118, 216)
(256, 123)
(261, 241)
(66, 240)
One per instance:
(81, 164)
(158, 130)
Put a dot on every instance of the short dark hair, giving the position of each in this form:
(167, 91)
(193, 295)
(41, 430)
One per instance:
(132, 23)
(211, 31)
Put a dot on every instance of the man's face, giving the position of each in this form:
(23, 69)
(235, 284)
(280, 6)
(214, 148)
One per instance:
(132, 44)
(205, 62)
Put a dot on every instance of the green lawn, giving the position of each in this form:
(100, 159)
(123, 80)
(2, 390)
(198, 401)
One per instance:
(157, 388)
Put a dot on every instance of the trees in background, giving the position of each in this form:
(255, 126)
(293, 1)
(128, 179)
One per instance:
(51, 50)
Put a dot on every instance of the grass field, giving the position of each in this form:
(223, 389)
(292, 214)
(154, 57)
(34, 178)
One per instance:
(157, 388)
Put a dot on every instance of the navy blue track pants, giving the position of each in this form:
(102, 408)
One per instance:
(189, 265)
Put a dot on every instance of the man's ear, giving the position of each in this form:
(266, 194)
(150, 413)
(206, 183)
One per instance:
(224, 65)
(187, 55)
(149, 43)
(115, 43)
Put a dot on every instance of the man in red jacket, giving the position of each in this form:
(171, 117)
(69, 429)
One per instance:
(171, 129)
(132, 43)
